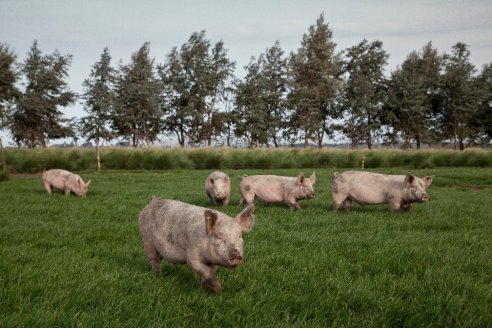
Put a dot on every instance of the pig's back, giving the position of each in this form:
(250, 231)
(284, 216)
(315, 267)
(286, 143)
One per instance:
(267, 188)
(372, 188)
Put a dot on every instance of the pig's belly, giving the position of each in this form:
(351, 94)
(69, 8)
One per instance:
(171, 253)
(369, 197)
(268, 197)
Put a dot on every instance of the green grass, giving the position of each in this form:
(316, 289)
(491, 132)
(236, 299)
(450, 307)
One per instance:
(67, 261)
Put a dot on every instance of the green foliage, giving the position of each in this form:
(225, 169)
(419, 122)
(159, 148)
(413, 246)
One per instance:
(67, 261)
(37, 160)
(36, 117)
(314, 84)
(99, 100)
(412, 91)
(260, 98)
(137, 115)
(365, 91)
(8, 79)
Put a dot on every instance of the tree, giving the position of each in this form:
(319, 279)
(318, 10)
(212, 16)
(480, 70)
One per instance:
(36, 117)
(274, 88)
(99, 99)
(365, 91)
(175, 101)
(195, 82)
(137, 112)
(209, 71)
(8, 91)
(412, 91)
(314, 83)
(481, 121)
(460, 99)
(261, 98)
(250, 112)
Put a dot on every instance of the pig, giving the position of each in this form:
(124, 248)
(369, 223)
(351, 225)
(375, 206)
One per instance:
(202, 238)
(366, 188)
(218, 188)
(276, 189)
(65, 181)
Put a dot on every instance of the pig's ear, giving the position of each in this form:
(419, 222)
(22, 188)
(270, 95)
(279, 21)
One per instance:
(312, 178)
(211, 181)
(88, 183)
(409, 177)
(246, 218)
(210, 221)
(300, 178)
(227, 180)
(427, 181)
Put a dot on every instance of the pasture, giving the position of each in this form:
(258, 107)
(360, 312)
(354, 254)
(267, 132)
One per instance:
(67, 261)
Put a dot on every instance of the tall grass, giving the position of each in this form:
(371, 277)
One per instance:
(68, 261)
(37, 160)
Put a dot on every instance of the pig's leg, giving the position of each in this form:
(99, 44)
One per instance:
(67, 191)
(406, 207)
(211, 198)
(153, 256)
(293, 205)
(47, 186)
(337, 200)
(347, 203)
(395, 204)
(208, 278)
(226, 201)
(247, 197)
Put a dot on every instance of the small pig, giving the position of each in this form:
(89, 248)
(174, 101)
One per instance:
(366, 188)
(276, 189)
(204, 239)
(65, 181)
(218, 188)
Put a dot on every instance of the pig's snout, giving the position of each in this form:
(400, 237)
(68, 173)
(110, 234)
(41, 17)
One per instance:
(424, 197)
(219, 195)
(235, 258)
(311, 194)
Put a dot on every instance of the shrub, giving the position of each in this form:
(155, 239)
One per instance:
(37, 160)
(4, 174)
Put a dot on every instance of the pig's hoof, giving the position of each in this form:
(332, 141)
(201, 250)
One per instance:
(213, 286)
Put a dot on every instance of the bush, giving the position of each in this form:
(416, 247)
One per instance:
(4, 174)
(37, 160)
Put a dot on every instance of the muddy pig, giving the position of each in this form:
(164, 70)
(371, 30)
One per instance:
(65, 181)
(276, 189)
(366, 188)
(218, 188)
(204, 239)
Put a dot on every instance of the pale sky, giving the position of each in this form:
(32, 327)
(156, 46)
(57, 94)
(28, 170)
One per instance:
(247, 28)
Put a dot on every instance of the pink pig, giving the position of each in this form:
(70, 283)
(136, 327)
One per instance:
(65, 181)
(276, 189)
(366, 188)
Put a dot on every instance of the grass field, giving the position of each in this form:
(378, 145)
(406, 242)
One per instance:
(67, 261)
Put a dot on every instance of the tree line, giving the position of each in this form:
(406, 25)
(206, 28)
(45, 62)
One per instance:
(307, 96)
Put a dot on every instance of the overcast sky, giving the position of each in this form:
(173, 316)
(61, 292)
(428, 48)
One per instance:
(247, 28)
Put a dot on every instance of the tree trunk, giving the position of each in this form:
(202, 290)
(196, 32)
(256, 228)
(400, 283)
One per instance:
(306, 140)
(417, 140)
(321, 135)
(455, 137)
(98, 158)
(3, 165)
(275, 142)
